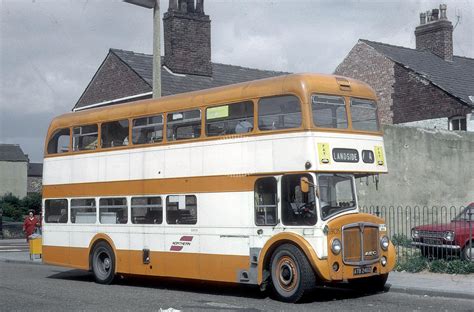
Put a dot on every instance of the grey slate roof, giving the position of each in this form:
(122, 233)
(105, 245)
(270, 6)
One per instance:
(222, 74)
(12, 152)
(455, 78)
(35, 169)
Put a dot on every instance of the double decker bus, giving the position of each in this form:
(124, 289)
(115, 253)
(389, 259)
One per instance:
(252, 183)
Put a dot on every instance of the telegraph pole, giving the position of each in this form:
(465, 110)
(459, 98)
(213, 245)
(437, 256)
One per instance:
(155, 5)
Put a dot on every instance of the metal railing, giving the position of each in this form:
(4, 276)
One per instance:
(432, 232)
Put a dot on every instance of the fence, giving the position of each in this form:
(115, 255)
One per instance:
(432, 232)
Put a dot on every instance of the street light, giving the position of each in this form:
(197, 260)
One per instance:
(155, 5)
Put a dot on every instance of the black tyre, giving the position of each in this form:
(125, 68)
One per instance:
(468, 252)
(103, 263)
(370, 284)
(291, 274)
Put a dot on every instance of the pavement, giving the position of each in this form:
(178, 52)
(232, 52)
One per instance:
(424, 283)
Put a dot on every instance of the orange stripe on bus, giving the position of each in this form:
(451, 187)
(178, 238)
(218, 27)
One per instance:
(210, 267)
(208, 184)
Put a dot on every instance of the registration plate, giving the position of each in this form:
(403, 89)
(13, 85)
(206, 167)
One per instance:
(362, 270)
(432, 241)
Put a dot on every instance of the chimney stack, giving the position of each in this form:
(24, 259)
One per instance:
(187, 36)
(435, 33)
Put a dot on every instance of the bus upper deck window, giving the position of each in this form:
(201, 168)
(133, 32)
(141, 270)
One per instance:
(329, 111)
(234, 118)
(59, 142)
(84, 137)
(114, 133)
(364, 115)
(279, 112)
(183, 125)
(147, 130)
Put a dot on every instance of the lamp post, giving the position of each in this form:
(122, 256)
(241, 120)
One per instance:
(155, 5)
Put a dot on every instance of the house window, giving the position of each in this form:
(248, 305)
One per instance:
(457, 123)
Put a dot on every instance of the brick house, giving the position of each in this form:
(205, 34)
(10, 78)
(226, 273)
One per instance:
(127, 76)
(424, 87)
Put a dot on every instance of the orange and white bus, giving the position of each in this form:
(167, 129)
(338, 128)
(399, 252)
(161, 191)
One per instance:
(251, 183)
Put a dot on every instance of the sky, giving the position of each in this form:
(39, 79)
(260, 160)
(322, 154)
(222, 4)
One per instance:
(49, 50)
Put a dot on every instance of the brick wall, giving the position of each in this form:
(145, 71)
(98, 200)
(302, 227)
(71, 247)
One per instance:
(113, 80)
(415, 98)
(436, 37)
(187, 39)
(35, 185)
(366, 64)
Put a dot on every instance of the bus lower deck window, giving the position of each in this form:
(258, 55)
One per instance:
(83, 211)
(298, 208)
(181, 209)
(113, 211)
(55, 211)
(147, 210)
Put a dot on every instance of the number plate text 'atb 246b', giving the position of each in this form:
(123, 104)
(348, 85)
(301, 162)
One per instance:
(362, 270)
(345, 155)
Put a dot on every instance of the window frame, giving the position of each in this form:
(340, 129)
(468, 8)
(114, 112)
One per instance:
(45, 215)
(163, 130)
(166, 125)
(99, 207)
(176, 223)
(257, 114)
(101, 142)
(81, 207)
(98, 144)
(245, 101)
(147, 196)
(347, 112)
(376, 113)
(276, 202)
(50, 138)
(458, 119)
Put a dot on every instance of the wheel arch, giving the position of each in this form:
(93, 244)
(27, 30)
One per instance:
(101, 238)
(319, 266)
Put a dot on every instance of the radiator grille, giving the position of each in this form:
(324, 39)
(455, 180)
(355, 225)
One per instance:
(360, 243)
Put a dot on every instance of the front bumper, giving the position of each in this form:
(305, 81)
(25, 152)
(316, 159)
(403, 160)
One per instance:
(420, 244)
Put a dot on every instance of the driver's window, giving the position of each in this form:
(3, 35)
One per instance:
(298, 208)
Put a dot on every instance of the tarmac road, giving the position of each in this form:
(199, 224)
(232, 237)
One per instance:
(30, 287)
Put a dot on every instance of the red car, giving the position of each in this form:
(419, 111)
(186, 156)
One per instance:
(454, 238)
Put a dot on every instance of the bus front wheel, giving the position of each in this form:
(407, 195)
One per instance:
(103, 263)
(291, 274)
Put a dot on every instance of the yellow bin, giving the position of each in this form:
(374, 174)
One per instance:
(36, 245)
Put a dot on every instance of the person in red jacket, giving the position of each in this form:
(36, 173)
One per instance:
(31, 222)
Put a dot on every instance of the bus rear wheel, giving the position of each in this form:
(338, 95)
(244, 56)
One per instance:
(291, 274)
(103, 263)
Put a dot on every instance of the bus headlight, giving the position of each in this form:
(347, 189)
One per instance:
(449, 236)
(384, 242)
(336, 246)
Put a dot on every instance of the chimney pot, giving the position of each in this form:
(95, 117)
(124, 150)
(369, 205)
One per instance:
(173, 5)
(422, 18)
(442, 8)
(200, 6)
(428, 16)
(435, 14)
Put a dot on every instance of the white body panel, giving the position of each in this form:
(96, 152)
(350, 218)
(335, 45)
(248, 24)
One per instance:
(234, 156)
